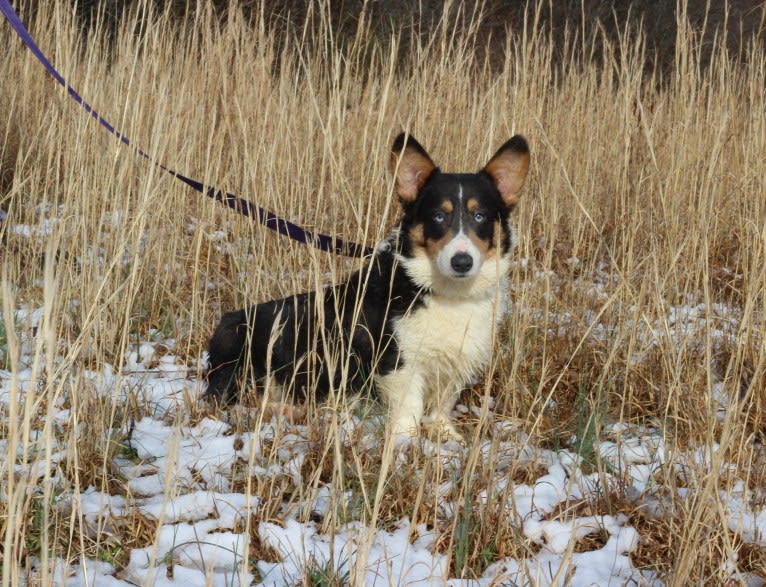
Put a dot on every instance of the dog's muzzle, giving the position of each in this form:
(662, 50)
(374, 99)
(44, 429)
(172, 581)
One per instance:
(459, 258)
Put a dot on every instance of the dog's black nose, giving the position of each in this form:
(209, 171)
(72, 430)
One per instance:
(462, 262)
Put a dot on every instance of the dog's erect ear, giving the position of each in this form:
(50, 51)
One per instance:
(508, 168)
(411, 165)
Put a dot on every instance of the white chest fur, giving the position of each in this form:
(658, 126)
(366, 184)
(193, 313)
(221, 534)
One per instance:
(442, 345)
(453, 332)
(449, 338)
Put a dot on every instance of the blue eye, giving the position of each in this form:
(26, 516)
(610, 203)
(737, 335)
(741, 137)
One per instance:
(439, 217)
(479, 217)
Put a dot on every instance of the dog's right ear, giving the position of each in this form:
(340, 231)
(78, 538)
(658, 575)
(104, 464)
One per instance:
(508, 168)
(411, 166)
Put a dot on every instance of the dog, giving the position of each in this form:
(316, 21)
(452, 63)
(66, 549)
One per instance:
(416, 324)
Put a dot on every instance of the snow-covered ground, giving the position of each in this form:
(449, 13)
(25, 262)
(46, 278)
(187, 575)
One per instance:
(181, 476)
(185, 476)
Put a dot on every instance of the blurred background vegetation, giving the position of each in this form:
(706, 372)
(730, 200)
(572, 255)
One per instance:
(740, 22)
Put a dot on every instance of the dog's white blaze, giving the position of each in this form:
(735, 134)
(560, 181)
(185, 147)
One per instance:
(460, 243)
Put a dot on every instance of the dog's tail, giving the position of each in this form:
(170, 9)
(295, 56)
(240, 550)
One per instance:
(227, 351)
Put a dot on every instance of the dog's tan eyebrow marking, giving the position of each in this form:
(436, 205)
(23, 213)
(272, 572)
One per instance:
(447, 207)
(472, 205)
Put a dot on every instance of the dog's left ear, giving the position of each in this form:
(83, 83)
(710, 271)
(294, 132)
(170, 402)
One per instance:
(411, 165)
(508, 168)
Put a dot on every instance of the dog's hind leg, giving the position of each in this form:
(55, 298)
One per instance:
(228, 355)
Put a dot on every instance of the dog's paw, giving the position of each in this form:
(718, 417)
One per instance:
(405, 430)
(452, 434)
(405, 426)
(444, 427)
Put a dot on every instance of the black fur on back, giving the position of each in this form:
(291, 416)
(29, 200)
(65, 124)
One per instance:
(304, 359)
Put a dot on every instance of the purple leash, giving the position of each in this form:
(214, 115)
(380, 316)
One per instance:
(322, 242)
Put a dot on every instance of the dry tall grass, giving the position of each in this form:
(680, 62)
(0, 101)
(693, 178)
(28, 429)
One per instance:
(647, 194)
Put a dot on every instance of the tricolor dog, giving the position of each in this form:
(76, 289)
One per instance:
(416, 323)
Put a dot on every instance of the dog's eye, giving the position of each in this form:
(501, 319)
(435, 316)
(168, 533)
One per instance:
(439, 217)
(479, 217)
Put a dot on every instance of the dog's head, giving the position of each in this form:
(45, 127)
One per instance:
(455, 224)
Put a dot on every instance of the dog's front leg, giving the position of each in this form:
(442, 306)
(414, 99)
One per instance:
(403, 391)
(442, 400)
